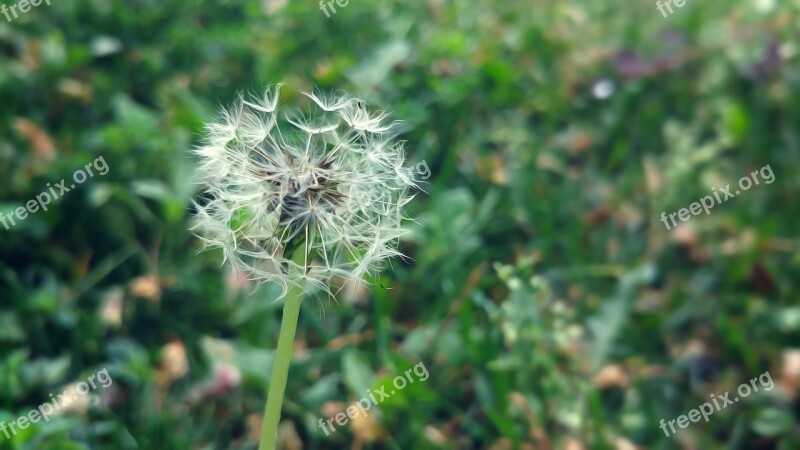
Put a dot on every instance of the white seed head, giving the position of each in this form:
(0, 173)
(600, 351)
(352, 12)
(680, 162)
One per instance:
(302, 198)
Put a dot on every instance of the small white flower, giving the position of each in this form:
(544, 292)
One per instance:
(300, 199)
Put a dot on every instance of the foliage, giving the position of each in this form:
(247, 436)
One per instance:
(549, 304)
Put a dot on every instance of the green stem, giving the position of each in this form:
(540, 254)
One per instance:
(280, 369)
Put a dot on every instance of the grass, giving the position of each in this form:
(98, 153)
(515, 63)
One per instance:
(544, 296)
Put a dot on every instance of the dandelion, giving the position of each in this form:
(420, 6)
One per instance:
(301, 200)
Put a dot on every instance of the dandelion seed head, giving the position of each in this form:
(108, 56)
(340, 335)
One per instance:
(298, 199)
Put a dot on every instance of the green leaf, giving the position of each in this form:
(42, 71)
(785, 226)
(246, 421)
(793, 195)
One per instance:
(357, 373)
(773, 422)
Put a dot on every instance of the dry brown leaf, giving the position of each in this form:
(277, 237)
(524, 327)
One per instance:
(270, 7)
(790, 372)
(611, 376)
(550, 162)
(742, 243)
(76, 89)
(350, 339)
(110, 311)
(506, 444)
(367, 429)
(572, 443)
(174, 364)
(287, 434)
(652, 175)
(623, 444)
(148, 287)
(31, 55)
(44, 151)
(597, 216)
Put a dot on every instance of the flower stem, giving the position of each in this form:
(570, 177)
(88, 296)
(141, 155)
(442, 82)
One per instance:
(280, 368)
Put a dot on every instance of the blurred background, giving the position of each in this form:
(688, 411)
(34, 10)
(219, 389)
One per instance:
(544, 296)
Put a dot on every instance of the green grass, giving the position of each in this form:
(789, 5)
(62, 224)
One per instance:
(538, 262)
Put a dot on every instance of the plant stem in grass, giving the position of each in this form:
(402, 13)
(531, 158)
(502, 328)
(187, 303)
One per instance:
(280, 369)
